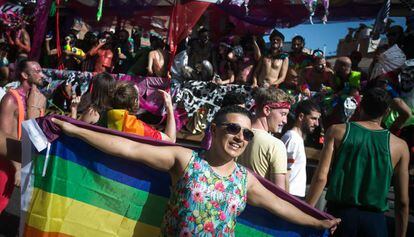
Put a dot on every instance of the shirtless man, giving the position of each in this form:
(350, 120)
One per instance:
(272, 68)
(104, 52)
(365, 158)
(202, 50)
(25, 99)
(317, 77)
(157, 58)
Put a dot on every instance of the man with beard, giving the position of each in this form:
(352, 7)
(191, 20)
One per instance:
(266, 155)
(104, 53)
(22, 103)
(297, 58)
(317, 77)
(307, 116)
(272, 68)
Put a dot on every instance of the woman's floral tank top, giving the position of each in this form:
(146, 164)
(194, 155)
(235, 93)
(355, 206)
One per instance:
(203, 203)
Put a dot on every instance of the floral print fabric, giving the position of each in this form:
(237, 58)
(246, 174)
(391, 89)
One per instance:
(203, 203)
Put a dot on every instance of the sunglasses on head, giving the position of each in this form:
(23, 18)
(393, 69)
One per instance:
(234, 128)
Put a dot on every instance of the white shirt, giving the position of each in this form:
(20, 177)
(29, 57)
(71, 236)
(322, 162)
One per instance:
(296, 155)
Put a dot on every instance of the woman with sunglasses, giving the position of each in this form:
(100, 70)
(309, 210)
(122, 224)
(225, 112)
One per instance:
(209, 189)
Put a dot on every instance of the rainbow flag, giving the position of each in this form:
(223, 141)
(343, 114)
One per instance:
(73, 189)
(121, 120)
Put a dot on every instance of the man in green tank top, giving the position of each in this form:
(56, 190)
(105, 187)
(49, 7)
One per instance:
(364, 158)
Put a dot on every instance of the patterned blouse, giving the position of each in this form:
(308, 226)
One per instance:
(203, 203)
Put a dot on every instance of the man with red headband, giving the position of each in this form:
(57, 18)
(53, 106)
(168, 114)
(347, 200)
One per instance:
(265, 154)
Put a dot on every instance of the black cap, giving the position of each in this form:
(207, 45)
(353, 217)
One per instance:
(277, 33)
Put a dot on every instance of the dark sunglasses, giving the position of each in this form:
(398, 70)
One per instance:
(234, 128)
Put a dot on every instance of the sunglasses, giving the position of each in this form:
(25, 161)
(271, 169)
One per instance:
(234, 128)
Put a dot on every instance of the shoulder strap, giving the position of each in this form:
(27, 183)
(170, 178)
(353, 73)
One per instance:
(20, 108)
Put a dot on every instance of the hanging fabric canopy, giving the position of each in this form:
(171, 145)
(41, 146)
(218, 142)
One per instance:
(254, 17)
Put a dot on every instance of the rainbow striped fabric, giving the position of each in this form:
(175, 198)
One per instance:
(73, 189)
(121, 120)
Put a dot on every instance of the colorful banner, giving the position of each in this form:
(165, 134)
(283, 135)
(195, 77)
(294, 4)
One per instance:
(73, 189)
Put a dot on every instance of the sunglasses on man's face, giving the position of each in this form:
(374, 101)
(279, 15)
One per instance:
(234, 129)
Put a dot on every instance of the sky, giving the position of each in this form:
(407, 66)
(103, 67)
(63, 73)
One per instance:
(318, 35)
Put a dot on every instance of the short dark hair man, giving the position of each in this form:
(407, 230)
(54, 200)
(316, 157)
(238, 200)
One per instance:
(307, 115)
(297, 58)
(365, 157)
(272, 68)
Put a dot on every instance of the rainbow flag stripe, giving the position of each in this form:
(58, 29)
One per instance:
(77, 190)
(121, 120)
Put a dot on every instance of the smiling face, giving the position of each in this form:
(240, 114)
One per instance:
(276, 119)
(230, 145)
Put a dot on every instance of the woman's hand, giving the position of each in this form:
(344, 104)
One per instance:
(167, 99)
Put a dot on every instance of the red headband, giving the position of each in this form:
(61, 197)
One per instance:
(279, 105)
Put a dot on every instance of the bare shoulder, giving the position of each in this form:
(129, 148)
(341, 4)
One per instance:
(182, 152)
(336, 131)
(182, 158)
(397, 145)
(8, 102)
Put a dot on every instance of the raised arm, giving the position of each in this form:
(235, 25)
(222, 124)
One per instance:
(259, 196)
(24, 44)
(170, 128)
(256, 72)
(401, 192)
(95, 49)
(48, 50)
(404, 112)
(166, 158)
(256, 50)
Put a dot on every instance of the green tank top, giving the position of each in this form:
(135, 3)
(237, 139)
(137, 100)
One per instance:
(362, 170)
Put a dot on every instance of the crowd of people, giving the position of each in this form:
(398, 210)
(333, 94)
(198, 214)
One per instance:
(368, 118)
